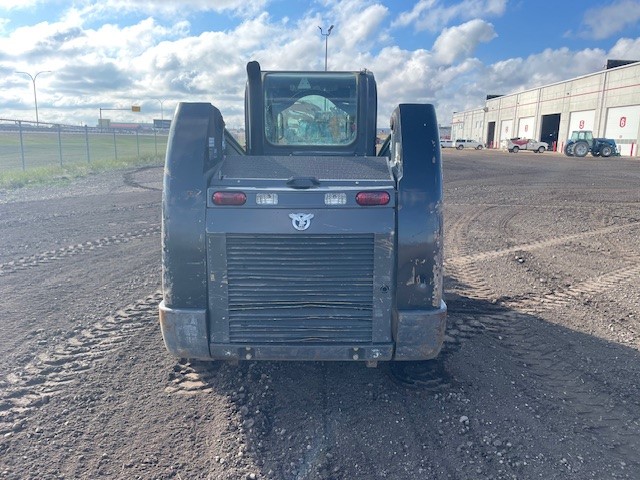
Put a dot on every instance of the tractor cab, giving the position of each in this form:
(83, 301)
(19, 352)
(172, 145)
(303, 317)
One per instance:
(586, 135)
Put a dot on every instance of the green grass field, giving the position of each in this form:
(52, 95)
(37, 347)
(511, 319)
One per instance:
(47, 148)
(47, 156)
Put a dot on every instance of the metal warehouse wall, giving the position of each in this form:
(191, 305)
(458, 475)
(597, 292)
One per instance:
(607, 102)
(469, 125)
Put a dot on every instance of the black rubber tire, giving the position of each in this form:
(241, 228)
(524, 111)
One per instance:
(541, 150)
(479, 147)
(515, 149)
(459, 147)
(606, 151)
(581, 148)
(568, 150)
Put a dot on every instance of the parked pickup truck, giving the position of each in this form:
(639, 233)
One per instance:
(466, 143)
(514, 145)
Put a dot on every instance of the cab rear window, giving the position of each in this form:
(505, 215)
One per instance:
(308, 109)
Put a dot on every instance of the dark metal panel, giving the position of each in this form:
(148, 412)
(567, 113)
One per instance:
(300, 288)
(369, 112)
(277, 221)
(383, 286)
(254, 110)
(420, 333)
(376, 352)
(218, 288)
(184, 331)
(194, 148)
(415, 148)
(320, 167)
(232, 146)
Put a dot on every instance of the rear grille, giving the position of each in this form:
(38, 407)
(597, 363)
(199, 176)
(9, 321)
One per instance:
(300, 288)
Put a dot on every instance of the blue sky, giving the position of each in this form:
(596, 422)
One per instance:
(115, 53)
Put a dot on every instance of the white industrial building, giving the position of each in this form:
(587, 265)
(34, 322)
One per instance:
(607, 102)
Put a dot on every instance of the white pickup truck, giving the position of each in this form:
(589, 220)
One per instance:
(514, 145)
(467, 143)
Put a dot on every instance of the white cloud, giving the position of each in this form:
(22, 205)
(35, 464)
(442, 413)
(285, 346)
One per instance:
(464, 85)
(159, 57)
(433, 15)
(405, 76)
(359, 27)
(626, 49)
(415, 14)
(606, 21)
(461, 41)
(153, 59)
(127, 42)
(25, 39)
(518, 74)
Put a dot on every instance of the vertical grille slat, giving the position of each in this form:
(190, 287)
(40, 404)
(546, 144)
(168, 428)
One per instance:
(300, 288)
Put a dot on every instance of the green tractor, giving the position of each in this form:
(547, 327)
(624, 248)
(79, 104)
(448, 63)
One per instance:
(582, 142)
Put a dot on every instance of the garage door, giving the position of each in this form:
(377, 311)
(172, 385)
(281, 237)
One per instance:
(525, 127)
(506, 132)
(583, 120)
(622, 125)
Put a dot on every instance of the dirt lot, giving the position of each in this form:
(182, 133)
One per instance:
(540, 376)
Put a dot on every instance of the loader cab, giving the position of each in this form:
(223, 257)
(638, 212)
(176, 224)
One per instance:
(310, 113)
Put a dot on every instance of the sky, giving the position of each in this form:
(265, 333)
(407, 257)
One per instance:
(112, 54)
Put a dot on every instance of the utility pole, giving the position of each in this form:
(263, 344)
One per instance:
(326, 44)
(35, 97)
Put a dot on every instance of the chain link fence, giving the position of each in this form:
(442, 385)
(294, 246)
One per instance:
(25, 145)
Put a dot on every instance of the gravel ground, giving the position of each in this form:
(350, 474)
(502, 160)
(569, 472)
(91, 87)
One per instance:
(539, 377)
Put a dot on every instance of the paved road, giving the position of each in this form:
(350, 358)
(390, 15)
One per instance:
(540, 376)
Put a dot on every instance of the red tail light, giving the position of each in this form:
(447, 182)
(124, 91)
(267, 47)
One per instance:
(372, 198)
(229, 198)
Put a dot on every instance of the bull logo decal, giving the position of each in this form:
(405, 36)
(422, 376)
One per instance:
(301, 221)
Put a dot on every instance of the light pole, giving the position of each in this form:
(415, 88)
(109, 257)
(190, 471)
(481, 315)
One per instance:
(35, 97)
(326, 43)
(161, 111)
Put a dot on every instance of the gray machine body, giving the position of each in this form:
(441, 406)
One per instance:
(300, 270)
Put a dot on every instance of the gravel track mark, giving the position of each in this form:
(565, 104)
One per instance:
(577, 293)
(567, 387)
(130, 180)
(55, 370)
(506, 412)
(551, 242)
(455, 234)
(72, 250)
(470, 282)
